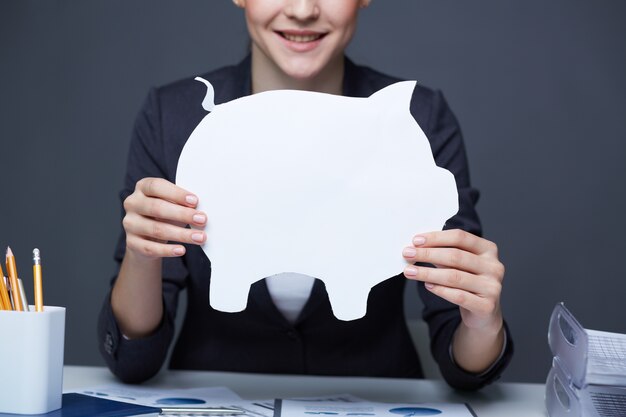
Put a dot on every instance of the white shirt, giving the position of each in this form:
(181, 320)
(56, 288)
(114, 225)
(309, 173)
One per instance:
(290, 292)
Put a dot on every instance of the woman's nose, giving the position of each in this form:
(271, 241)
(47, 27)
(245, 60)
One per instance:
(303, 9)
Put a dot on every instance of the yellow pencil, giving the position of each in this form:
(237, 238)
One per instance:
(23, 295)
(37, 277)
(15, 287)
(5, 301)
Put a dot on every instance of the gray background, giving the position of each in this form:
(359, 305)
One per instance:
(538, 86)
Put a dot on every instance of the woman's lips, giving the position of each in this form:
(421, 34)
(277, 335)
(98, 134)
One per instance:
(301, 41)
(301, 38)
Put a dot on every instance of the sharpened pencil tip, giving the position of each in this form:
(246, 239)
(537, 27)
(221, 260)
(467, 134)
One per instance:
(9, 251)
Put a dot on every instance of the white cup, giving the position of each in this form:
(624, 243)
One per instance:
(31, 360)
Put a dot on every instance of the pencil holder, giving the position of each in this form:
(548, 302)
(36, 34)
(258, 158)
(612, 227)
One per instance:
(31, 360)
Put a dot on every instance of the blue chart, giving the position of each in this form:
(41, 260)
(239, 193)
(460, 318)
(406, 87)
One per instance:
(179, 401)
(415, 411)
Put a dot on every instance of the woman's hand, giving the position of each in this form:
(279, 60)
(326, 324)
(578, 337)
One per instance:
(469, 274)
(157, 212)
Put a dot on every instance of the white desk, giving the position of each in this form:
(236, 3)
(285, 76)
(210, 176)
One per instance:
(498, 400)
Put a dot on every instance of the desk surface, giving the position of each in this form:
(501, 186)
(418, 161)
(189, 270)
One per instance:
(497, 400)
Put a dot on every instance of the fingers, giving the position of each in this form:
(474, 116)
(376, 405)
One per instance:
(161, 209)
(468, 274)
(161, 231)
(456, 249)
(165, 190)
(160, 199)
(448, 257)
(157, 212)
(456, 238)
(153, 249)
(476, 304)
(453, 278)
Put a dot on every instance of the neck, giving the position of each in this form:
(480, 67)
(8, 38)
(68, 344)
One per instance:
(266, 76)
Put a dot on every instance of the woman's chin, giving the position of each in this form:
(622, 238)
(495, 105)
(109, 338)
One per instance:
(303, 73)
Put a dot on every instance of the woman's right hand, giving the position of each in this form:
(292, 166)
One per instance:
(157, 212)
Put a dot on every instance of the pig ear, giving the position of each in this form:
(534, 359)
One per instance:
(207, 103)
(398, 94)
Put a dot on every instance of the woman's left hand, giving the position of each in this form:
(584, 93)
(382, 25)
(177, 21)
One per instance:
(468, 273)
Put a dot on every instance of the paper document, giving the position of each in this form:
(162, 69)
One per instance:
(346, 398)
(299, 408)
(198, 398)
(159, 397)
(607, 358)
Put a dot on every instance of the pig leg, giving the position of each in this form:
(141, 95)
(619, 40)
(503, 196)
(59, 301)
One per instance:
(348, 302)
(227, 297)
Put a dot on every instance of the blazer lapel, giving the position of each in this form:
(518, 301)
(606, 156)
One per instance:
(318, 295)
(261, 298)
(237, 84)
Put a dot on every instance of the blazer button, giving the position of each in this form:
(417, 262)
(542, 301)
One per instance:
(108, 343)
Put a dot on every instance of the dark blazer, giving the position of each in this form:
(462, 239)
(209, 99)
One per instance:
(260, 339)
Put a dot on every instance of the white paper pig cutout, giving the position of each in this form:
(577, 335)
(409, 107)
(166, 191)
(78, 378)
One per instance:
(327, 186)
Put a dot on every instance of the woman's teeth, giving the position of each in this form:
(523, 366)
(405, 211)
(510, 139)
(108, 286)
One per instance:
(301, 38)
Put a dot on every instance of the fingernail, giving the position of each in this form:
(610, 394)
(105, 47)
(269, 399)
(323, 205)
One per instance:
(179, 251)
(410, 271)
(197, 237)
(409, 252)
(191, 199)
(199, 218)
(429, 285)
(419, 240)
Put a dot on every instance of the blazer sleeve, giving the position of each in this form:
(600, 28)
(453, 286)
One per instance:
(135, 360)
(433, 114)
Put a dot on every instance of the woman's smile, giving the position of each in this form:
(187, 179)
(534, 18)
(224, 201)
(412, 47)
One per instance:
(300, 40)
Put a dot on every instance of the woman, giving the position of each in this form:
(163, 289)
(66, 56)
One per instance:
(296, 44)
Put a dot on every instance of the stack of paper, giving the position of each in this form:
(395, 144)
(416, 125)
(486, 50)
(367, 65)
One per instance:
(607, 358)
(588, 375)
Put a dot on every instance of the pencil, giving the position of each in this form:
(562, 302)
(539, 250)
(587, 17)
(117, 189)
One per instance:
(37, 277)
(5, 301)
(23, 295)
(15, 287)
(200, 411)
